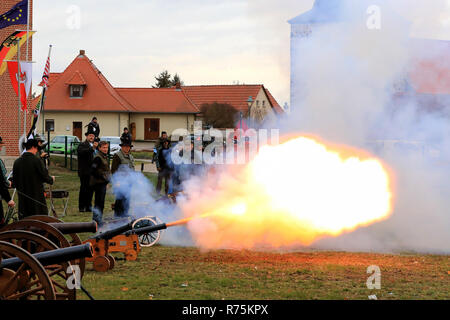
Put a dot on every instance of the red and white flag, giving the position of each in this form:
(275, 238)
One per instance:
(46, 74)
(22, 76)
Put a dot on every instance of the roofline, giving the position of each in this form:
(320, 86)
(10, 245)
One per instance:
(99, 111)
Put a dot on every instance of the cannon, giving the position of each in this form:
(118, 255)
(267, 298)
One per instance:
(56, 231)
(30, 276)
(124, 239)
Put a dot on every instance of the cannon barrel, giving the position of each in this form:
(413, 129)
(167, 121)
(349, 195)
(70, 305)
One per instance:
(53, 256)
(148, 229)
(75, 227)
(113, 232)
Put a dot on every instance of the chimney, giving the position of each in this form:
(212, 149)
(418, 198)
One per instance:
(82, 52)
(178, 86)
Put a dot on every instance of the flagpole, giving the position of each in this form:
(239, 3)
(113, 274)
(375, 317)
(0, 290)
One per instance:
(44, 89)
(27, 59)
(18, 81)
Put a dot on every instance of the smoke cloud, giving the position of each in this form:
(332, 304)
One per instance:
(355, 86)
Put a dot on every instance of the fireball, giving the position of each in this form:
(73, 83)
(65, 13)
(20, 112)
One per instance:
(289, 194)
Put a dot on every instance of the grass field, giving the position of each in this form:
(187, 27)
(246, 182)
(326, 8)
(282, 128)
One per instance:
(188, 273)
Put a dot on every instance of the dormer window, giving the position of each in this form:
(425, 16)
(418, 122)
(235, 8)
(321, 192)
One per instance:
(76, 91)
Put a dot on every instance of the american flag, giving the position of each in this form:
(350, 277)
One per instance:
(46, 74)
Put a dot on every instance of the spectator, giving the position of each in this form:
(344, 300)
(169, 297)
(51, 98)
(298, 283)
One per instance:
(4, 185)
(85, 153)
(100, 177)
(126, 135)
(122, 159)
(29, 175)
(158, 146)
(164, 165)
(94, 127)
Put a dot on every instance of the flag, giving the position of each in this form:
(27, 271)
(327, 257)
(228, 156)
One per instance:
(16, 15)
(19, 78)
(46, 74)
(8, 49)
(40, 105)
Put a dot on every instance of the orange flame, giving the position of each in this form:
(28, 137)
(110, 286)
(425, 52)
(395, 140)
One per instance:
(293, 193)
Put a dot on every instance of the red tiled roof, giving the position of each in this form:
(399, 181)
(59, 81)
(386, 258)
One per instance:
(98, 95)
(157, 100)
(235, 95)
(76, 79)
(430, 73)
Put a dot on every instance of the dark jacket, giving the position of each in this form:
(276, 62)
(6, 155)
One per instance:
(101, 173)
(85, 156)
(126, 136)
(4, 183)
(29, 176)
(163, 160)
(94, 127)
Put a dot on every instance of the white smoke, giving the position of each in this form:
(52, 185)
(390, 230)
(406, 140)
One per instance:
(346, 75)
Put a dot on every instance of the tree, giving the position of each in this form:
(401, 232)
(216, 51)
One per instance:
(219, 115)
(176, 79)
(165, 80)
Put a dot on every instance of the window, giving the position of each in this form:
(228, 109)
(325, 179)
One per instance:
(76, 91)
(264, 103)
(49, 125)
(257, 103)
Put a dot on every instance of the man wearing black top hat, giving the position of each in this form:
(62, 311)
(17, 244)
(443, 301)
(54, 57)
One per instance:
(4, 185)
(124, 161)
(29, 176)
(85, 153)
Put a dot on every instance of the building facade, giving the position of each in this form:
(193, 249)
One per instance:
(9, 108)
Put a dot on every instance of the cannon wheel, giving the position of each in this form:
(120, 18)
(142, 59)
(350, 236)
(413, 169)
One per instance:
(74, 238)
(29, 281)
(147, 239)
(49, 232)
(34, 243)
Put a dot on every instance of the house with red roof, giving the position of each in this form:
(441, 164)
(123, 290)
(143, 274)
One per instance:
(81, 92)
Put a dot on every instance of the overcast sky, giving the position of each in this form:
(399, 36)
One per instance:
(204, 41)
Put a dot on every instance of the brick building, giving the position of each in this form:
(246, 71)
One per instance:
(9, 112)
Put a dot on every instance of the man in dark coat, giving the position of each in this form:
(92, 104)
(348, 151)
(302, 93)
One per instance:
(29, 175)
(4, 185)
(85, 154)
(123, 162)
(100, 177)
(165, 167)
(94, 127)
(126, 135)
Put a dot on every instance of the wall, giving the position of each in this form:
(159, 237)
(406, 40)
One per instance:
(264, 109)
(8, 99)
(167, 122)
(109, 122)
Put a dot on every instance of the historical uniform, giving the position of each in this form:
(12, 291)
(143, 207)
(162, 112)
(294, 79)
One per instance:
(94, 127)
(85, 154)
(29, 175)
(122, 161)
(100, 177)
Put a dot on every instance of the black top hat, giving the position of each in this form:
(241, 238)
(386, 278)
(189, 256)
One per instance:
(38, 138)
(125, 142)
(89, 131)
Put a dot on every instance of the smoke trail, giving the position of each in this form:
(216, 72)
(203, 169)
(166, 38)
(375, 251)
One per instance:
(143, 202)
